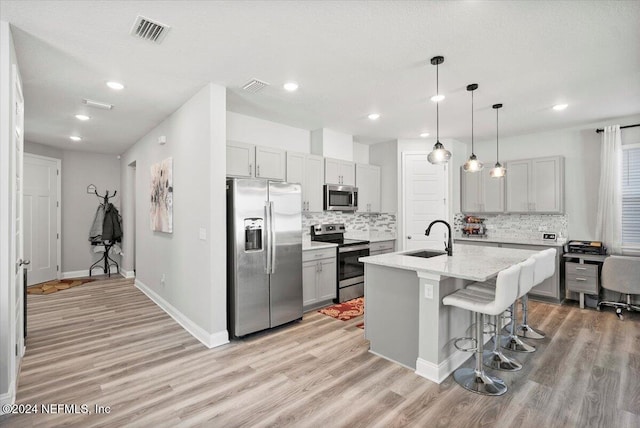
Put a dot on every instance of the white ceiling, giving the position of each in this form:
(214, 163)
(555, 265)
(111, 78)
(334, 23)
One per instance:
(349, 57)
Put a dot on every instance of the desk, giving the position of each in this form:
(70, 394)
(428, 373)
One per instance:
(582, 273)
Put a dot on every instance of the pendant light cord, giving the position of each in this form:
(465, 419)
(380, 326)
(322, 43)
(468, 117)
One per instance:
(472, 123)
(497, 138)
(437, 104)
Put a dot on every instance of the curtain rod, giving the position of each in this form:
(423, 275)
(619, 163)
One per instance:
(599, 130)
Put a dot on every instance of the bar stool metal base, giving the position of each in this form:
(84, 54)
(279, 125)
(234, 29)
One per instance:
(513, 343)
(498, 361)
(479, 382)
(529, 332)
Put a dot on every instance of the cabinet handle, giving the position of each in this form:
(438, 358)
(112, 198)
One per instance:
(250, 169)
(581, 279)
(409, 237)
(258, 171)
(581, 268)
(320, 266)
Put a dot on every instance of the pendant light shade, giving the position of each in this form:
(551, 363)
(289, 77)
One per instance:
(439, 155)
(472, 164)
(498, 171)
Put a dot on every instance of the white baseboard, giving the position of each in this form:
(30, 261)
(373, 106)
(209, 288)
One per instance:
(83, 273)
(128, 273)
(8, 397)
(207, 339)
(439, 372)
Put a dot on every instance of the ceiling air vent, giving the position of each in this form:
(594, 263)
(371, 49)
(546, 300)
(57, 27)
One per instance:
(254, 85)
(146, 29)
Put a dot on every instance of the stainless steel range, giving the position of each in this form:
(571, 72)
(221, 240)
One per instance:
(350, 280)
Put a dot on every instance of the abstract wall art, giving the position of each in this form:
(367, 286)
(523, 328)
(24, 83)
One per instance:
(162, 196)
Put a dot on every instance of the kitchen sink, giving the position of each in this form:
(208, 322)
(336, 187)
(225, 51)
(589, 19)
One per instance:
(425, 254)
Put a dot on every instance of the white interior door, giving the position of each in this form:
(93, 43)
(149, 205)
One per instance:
(40, 217)
(16, 154)
(424, 200)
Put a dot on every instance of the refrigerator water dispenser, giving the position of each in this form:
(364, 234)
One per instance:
(253, 234)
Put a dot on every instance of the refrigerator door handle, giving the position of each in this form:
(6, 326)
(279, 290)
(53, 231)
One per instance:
(272, 239)
(267, 233)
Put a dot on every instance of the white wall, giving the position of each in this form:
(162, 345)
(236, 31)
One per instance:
(261, 132)
(332, 144)
(361, 153)
(581, 148)
(9, 328)
(79, 170)
(42, 150)
(194, 290)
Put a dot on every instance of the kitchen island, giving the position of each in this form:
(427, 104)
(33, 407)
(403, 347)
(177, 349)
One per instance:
(405, 320)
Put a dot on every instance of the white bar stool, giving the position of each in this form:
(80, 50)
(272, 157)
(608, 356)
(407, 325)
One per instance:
(476, 380)
(525, 282)
(494, 358)
(545, 268)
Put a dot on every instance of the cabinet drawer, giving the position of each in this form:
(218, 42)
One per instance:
(324, 253)
(582, 284)
(382, 246)
(582, 270)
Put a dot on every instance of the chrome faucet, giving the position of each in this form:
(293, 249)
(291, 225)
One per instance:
(448, 246)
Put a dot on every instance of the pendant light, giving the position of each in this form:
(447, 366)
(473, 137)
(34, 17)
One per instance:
(472, 164)
(497, 171)
(439, 155)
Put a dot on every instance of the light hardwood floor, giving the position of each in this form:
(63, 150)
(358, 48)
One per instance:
(105, 343)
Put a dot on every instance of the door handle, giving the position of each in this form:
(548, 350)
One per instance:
(273, 238)
(409, 237)
(24, 262)
(267, 236)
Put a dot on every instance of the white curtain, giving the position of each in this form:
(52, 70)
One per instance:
(608, 223)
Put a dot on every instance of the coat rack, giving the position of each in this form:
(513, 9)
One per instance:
(105, 259)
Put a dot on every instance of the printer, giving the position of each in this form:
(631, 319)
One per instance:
(586, 247)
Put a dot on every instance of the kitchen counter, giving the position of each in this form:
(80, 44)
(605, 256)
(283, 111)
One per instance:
(522, 241)
(468, 262)
(405, 320)
(315, 245)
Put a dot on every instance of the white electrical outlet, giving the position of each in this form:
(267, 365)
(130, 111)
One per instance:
(162, 278)
(203, 234)
(428, 291)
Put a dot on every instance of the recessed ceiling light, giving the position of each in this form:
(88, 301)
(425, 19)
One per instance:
(560, 107)
(115, 85)
(75, 138)
(82, 117)
(374, 116)
(291, 86)
(437, 98)
(424, 134)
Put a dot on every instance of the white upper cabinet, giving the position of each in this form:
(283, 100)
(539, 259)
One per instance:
(249, 160)
(480, 193)
(270, 163)
(368, 183)
(307, 170)
(535, 185)
(240, 159)
(337, 171)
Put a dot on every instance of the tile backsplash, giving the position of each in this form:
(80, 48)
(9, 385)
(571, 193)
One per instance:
(528, 226)
(372, 224)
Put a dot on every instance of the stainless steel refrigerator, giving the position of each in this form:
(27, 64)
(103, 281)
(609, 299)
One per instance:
(264, 251)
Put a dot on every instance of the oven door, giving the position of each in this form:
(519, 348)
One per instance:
(350, 270)
(340, 198)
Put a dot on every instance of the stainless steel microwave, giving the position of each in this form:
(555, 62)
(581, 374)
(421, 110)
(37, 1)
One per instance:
(340, 198)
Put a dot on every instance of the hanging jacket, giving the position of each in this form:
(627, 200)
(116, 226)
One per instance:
(112, 226)
(95, 234)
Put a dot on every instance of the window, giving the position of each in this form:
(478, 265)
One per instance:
(631, 196)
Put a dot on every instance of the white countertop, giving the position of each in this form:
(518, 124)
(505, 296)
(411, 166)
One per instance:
(522, 241)
(472, 262)
(315, 245)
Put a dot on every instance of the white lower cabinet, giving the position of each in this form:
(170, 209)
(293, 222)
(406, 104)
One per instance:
(381, 247)
(319, 277)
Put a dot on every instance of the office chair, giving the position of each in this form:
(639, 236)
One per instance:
(621, 274)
